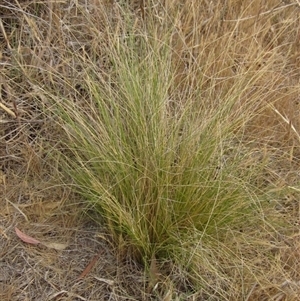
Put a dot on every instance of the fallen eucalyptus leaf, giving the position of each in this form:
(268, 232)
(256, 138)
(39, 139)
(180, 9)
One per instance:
(24, 237)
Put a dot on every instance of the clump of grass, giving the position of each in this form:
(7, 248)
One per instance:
(159, 113)
(160, 161)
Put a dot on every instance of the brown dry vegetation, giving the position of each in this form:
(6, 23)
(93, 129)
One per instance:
(39, 44)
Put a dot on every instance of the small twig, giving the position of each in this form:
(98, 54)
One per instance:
(5, 35)
(16, 110)
(7, 110)
(22, 121)
(55, 295)
(287, 121)
(89, 267)
(17, 208)
(107, 281)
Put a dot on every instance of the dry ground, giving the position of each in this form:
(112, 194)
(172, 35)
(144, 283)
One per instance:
(33, 198)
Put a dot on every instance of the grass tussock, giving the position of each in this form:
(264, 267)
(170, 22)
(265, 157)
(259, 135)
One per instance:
(172, 114)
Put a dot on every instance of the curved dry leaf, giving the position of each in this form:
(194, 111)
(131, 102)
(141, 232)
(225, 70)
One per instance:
(26, 238)
(56, 246)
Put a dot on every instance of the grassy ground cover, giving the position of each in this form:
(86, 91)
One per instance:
(162, 136)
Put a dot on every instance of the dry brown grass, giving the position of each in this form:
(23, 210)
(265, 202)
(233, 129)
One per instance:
(38, 41)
